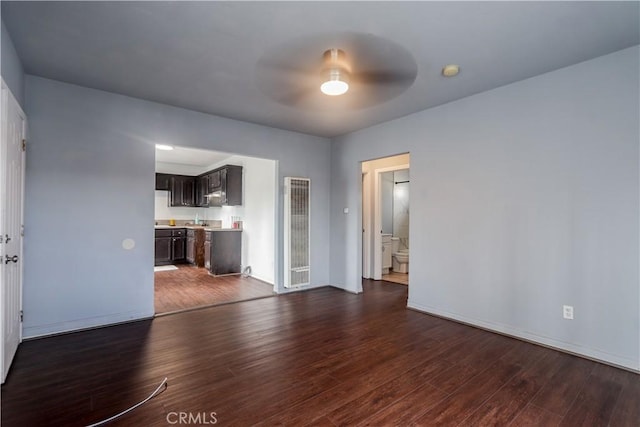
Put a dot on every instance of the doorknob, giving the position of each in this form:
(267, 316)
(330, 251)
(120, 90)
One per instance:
(8, 259)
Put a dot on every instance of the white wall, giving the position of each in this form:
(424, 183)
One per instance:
(386, 201)
(256, 213)
(523, 198)
(163, 211)
(90, 184)
(401, 207)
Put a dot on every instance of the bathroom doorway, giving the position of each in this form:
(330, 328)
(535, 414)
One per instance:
(386, 219)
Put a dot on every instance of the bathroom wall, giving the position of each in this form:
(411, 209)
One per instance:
(401, 207)
(386, 202)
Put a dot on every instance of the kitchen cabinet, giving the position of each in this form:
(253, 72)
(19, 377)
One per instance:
(225, 185)
(179, 246)
(163, 247)
(214, 180)
(170, 246)
(202, 191)
(195, 246)
(219, 187)
(182, 190)
(191, 250)
(223, 252)
(163, 181)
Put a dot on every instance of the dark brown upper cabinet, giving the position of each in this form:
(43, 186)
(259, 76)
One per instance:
(202, 191)
(182, 190)
(219, 187)
(163, 181)
(225, 185)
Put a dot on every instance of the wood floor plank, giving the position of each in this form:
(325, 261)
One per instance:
(190, 287)
(506, 403)
(562, 389)
(535, 416)
(467, 398)
(594, 404)
(627, 411)
(322, 357)
(406, 410)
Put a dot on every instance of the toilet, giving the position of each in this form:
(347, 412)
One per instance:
(400, 257)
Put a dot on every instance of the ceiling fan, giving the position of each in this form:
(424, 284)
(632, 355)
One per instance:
(336, 71)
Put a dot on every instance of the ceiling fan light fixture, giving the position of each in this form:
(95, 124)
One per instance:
(336, 83)
(336, 72)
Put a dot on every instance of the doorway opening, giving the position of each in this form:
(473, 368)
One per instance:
(215, 229)
(386, 219)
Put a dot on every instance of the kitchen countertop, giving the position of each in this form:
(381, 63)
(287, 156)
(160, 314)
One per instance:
(182, 226)
(197, 227)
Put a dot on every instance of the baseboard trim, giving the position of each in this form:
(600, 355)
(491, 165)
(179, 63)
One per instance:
(573, 349)
(346, 290)
(32, 332)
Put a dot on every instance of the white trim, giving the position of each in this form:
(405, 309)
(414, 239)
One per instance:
(377, 219)
(365, 226)
(8, 98)
(599, 355)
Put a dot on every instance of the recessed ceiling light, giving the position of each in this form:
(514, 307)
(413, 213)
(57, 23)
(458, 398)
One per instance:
(164, 147)
(450, 70)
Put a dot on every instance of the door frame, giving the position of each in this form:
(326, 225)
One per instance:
(366, 224)
(373, 228)
(6, 98)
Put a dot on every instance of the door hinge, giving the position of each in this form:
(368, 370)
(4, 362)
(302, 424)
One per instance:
(21, 315)
(24, 145)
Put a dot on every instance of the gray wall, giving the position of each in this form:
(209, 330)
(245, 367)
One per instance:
(90, 184)
(523, 198)
(11, 68)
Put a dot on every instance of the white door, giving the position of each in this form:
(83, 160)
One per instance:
(12, 159)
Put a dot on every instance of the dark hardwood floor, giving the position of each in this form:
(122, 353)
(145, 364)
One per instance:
(322, 357)
(190, 287)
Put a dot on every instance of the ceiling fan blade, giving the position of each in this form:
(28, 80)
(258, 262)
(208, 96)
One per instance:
(298, 97)
(278, 66)
(379, 70)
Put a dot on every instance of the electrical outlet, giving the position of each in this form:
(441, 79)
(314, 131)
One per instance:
(567, 312)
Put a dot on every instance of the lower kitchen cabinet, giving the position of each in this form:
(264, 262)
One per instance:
(170, 246)
(223, 252)
(163, 250)
(195, 246)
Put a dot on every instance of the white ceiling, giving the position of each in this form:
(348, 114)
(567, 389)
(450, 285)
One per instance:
(203, 55)
(191, 157)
